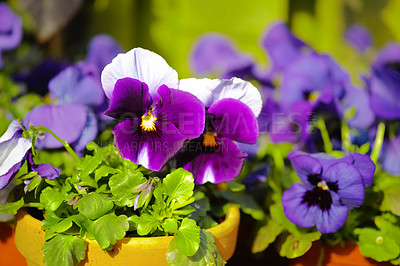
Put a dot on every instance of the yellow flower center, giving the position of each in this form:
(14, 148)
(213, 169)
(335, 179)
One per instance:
(147, 123)
(322, 184)
(313, 96)
(209, 139)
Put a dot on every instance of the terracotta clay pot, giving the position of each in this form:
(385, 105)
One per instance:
(347, 255)
(137, 251)
(9, 255)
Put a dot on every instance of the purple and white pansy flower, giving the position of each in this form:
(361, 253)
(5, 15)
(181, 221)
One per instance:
(330, 187)
(232, 107)
(13, 151)
(155, 119)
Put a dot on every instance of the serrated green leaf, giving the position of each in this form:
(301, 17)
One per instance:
(187, 239)
(89, 164)
(61, 226)
(104, 171)
(146, 224)
(388, 228)
(170, 225)
(85, 224)
(51, 198)
(376, 245)
(12, 207)
(297, 245)
(64, 250)
(266, 235)
(49, 222)
(207, 253)
(94, 205)
(126, 186)
(179, 185)
(109, 228)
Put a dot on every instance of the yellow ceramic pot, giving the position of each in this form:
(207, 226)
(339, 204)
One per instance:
(29, 239)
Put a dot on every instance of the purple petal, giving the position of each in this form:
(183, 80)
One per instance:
(364, 165)
(150, 149)
(268, 114)
(182, 109)
(222, 165)
(234, 120)
(88, 134)
(66, 121)
(10, 28)
(359, 37)
(390, 156)
(364, 117)
(282, 46)
(349, 182)
(102, 49)
(77, 85)
(305, 165)
(390, 53)
(130, 97)
(44, 170)
(331, 220)
(295, 210)
(6, 178)
(217, 54)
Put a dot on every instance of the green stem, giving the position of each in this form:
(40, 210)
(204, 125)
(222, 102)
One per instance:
(325, 136)
(64, 143)
(380, 133)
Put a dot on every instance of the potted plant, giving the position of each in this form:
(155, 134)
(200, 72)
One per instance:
(119, 154)
(325, 168)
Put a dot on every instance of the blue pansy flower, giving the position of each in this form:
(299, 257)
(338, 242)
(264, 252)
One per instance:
(10, 29)
(155, 119)
(330, 187)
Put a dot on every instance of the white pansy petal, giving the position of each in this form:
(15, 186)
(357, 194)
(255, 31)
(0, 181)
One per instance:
(12, 152)
(12, 128)
(209, 91)
(140, 64)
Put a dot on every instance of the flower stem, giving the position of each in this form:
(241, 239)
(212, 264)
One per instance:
(325, 136)
(380, 133)
(64, 143)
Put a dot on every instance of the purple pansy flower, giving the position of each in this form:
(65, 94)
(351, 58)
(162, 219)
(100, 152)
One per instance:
(330, 188)
(79, 84)
(359, 37)
(13, 151)
(73, 123)
(231, 107)
(155, 119)
(44, 170)
(281, 45)
(10, 29)
(384, 83)
(390, 155)
(102, 49)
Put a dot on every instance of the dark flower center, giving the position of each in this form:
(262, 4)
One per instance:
(393, 66)
(320, 195)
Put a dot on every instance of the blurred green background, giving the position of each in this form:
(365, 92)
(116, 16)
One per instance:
(170, 27)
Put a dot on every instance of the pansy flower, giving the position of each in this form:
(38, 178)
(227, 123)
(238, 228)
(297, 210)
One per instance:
(44, 170)
(384, 83)
(231, 110)
(329, 188)
(359, 37)
(13, 152)
(10, 29)
(155, 119)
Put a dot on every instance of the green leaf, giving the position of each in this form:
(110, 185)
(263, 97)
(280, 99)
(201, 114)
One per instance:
(103, 171)
(61, 226)
(170, 225)
(109, 228)
(235, 186)
(376, 245)
(64, 250)
(126, 186)
(297, 245)
(207, 222)
(179, 185)
(201, 205)
(246, 203)
(188, 237)
(388, 228)
(89, 164)
(28, 175)
(277, 213)
(146, 224)
(34, 182)
(12, 207)
(266, 235)
(51, 198)
(207, 253)
(94, 205)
